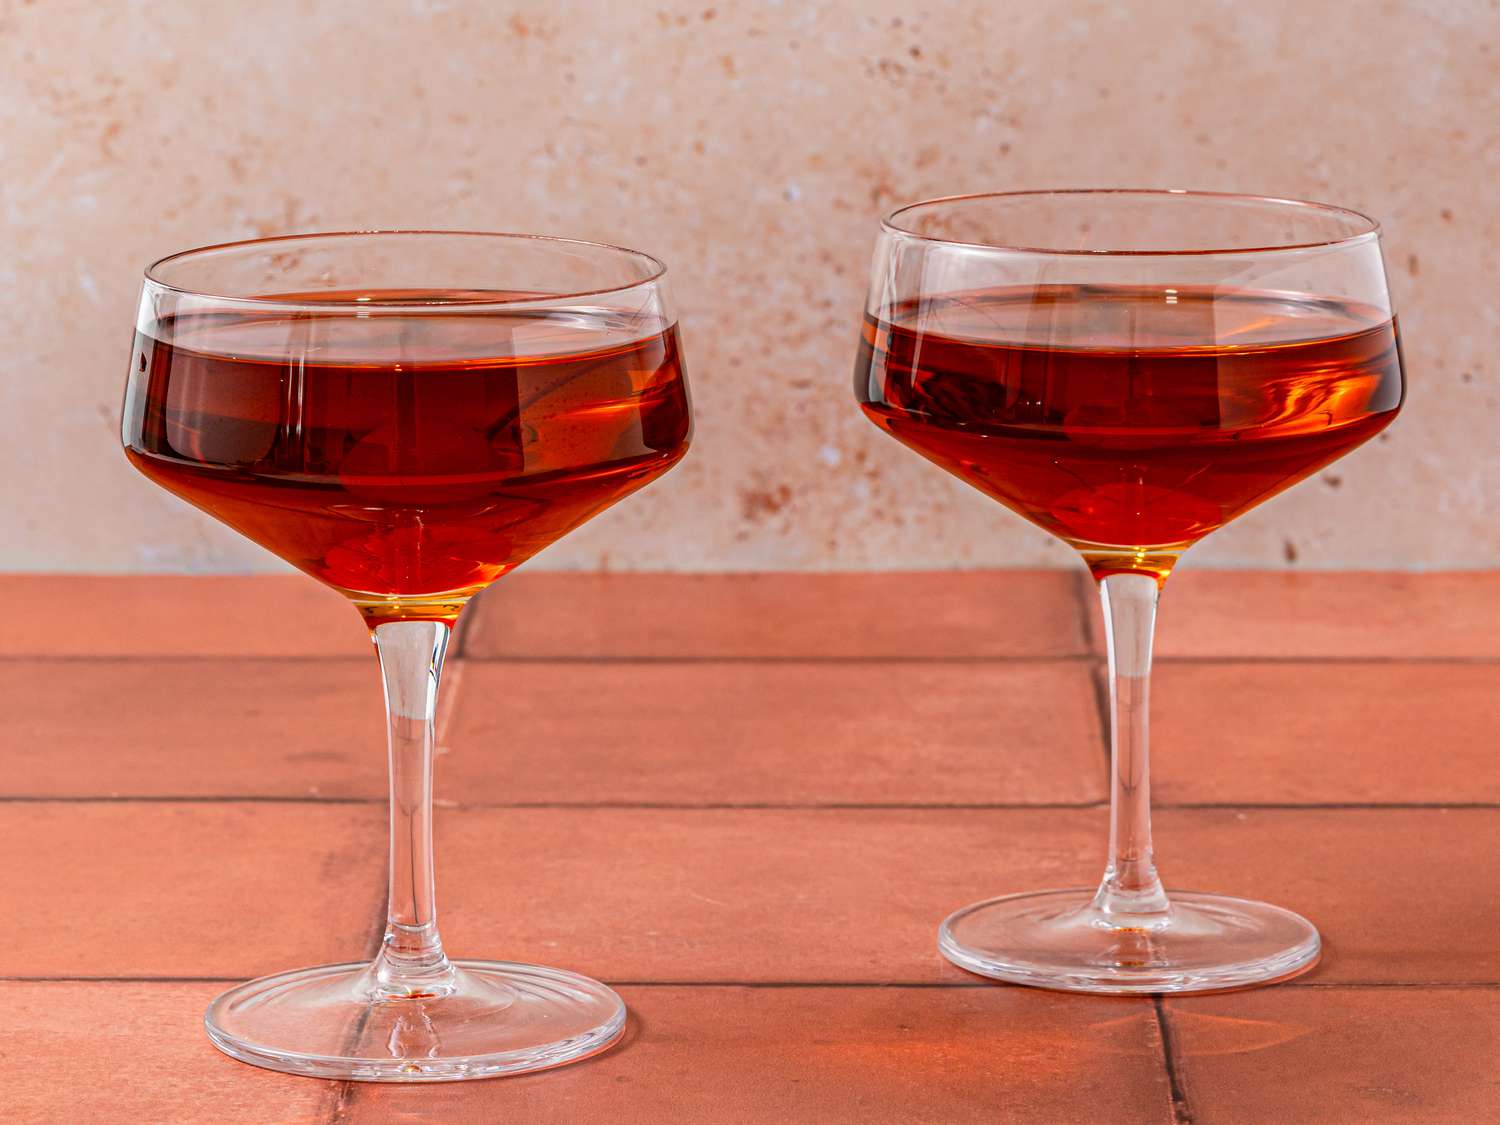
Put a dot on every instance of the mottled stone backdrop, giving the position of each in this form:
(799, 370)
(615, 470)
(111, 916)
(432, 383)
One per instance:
(752, 145)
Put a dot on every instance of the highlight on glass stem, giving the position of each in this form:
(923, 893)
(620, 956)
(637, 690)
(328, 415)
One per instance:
(407, 417)
(1129, 370)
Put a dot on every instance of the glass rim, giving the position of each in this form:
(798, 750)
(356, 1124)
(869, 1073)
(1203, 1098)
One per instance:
(656, 270)
(890, 222)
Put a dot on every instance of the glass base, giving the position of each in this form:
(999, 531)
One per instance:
(1057, 939)
(489, 1018)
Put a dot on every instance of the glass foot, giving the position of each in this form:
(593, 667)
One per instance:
(488, 1018)
(1057, 939)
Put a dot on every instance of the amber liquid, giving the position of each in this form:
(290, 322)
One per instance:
(406, 459)
(1130, 422)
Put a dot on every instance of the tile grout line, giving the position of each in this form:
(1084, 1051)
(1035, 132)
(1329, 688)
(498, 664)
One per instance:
(833, 659)
(1085, 596)
(185, 799)
(1182, 1113)
(336, 1101)
(1083, 590)
(652, 806)
(1419, 984)
(766, 806)
(650, 659)
(469, 621)
(458, 638)
(918, 985)
(12, 979)
(453, 678)
(1099, 681)
(341, 1091)
(344, 1091)
(461, 653)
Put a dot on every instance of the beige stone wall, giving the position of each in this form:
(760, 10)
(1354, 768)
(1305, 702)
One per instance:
(752, 145)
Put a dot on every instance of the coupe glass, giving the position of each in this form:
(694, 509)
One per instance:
(407, 416)
(1129, 370)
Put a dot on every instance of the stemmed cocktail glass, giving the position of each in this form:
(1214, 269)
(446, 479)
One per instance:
(407, 416)
(1129, 370)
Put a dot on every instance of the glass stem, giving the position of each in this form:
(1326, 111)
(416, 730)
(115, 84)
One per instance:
(1130, 893)
(411, 961)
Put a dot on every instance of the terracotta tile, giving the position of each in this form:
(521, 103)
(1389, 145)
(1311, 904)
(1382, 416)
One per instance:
(856, 895)
(194, 727)
(189, 890)
(739, 895)
(178, 615)
(882, 733)
(696, 895)
(993, 613)
(1331, 732)
(1367, 1055)
(1236, 613)
(872, 1055)
(1398, 894)
(133, 1052)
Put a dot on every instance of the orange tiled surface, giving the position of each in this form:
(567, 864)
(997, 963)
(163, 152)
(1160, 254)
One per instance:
(747, 800)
